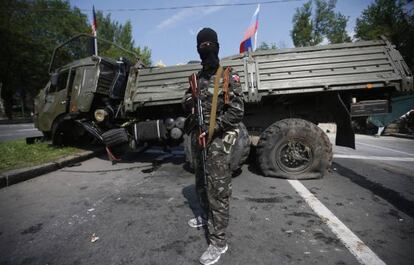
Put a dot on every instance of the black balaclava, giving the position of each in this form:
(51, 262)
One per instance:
(209, 54)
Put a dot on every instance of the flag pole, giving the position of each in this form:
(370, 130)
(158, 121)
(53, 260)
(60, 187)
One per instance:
(96, 44)
(257, 29)
(94, 27)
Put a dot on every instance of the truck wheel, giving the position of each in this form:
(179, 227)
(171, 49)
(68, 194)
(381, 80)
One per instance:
(115, 137)
(57, 134)
(117, 140)
(241, 149)
(62, 134)
(294, 149)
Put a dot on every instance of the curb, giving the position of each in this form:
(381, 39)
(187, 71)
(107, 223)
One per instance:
(18, 121)
(18, 175)
(400, 135)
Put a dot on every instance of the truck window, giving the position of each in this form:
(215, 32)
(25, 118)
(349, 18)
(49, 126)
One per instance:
(62, 81)
(71, 78)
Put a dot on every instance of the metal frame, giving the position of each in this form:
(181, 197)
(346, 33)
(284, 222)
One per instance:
(92, 37)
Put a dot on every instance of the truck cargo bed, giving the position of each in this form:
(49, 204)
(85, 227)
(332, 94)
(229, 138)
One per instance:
(360, 65)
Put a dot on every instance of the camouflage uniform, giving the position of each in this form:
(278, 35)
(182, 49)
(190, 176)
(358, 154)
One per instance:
(218, 154)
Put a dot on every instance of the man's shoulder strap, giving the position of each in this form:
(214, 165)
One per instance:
(226, 82)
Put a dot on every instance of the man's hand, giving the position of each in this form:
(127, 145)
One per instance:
(204, 132)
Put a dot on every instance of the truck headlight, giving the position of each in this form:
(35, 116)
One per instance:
(100, 115)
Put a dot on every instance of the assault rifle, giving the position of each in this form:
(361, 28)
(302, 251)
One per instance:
(197, 111)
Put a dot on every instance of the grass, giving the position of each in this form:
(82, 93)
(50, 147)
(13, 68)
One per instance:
(17, 154)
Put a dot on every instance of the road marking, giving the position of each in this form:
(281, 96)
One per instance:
(17, 125)
(19, 134)
(23, 130)
(355, 245)
(385, 148)
(381, 158)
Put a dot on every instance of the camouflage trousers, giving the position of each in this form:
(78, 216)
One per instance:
(215, 200)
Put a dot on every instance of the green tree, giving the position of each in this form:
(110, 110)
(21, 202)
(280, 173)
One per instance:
(115, 32)
(303, 31)
(29, 31)
(387, 18)
(264, 46)
(310, 28)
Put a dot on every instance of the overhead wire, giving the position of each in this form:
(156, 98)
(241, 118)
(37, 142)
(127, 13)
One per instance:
(152, 8)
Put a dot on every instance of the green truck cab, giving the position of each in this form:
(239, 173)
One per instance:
(78, 90)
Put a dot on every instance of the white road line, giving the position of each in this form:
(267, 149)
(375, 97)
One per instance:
(17, 125)
(18, 134)
(381, 158)
(24, 130)
(385, 148)
(358, 248)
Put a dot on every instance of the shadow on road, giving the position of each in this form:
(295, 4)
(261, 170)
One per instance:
(190, 194)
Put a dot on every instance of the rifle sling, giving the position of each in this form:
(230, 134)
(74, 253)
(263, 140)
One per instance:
(226, 81)
(214, 104)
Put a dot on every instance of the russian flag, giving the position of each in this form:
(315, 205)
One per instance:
(94, 28)
(250, 32)
(94, 24)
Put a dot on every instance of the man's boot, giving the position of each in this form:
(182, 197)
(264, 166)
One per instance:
(197, 222)
(212, 254)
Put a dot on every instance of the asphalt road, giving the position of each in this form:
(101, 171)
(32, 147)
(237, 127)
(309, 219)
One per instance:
(17, 131)
(136, 212)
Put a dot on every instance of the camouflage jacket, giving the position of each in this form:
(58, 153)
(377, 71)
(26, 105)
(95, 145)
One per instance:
(228, 115)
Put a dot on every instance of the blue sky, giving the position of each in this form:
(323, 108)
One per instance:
(170, 34)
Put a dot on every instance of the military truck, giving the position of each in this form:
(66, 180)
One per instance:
(287, 92)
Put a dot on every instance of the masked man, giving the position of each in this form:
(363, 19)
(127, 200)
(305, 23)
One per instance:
(214, 197)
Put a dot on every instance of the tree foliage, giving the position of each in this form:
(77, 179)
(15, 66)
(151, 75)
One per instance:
(121, 35)
(30, 29)
(29, 32)
(264, 46)
(388, 18)
(310, 28)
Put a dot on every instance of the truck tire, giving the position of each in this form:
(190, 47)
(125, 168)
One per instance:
(241, 149)
(117, 140)
(115, 137)
(294, 149)
(62, 134)
(239, 152)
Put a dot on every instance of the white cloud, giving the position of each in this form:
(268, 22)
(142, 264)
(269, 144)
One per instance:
(175, 18)
(185, 13)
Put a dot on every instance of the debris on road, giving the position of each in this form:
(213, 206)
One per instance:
(94, 238)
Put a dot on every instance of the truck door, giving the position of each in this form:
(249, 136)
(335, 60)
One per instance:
(84, 87)
(56, 101)
(77, 88)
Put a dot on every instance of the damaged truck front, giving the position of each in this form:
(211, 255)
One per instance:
(83, 97)
(287, 93)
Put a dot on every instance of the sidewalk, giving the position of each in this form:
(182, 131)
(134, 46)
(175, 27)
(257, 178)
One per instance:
(18, 175)
(400, 135)
(16, 121)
